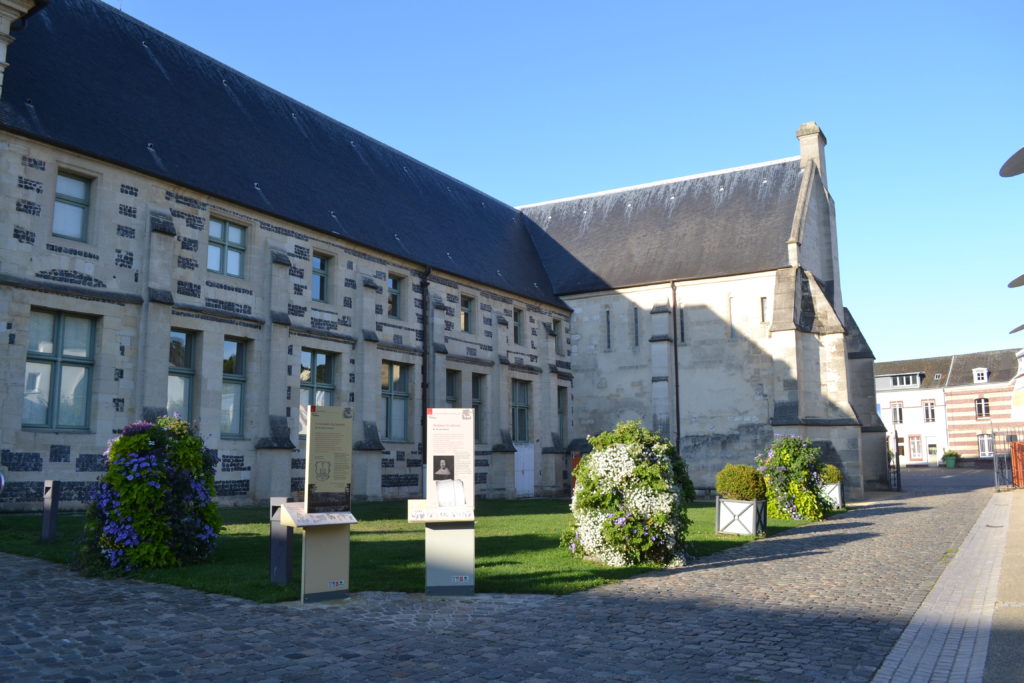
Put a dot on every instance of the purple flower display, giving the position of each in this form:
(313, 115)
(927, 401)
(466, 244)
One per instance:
(154, 506)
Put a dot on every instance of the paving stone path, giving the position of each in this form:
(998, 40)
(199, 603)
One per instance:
(824, 602)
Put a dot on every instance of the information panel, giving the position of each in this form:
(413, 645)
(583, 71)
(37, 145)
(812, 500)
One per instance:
(450, 467)
(328, 459)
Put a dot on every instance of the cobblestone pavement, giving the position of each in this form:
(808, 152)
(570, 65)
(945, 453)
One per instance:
(824, 602)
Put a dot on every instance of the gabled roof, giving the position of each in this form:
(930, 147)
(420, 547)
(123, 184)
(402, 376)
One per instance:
(145, 101)
(723, 223)
(956, 370)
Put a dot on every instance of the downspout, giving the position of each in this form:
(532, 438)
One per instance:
(425, 369)
(675, 368)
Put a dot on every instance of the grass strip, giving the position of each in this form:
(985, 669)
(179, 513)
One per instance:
(516, 550)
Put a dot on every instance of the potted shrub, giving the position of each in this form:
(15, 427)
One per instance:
(832, 485)
(950, 458)
(741, 501)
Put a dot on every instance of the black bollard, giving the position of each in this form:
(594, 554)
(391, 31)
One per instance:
(280, 544)
(51, 501)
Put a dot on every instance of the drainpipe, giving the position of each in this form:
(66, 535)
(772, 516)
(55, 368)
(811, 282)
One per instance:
(425, 367)
(675, 368)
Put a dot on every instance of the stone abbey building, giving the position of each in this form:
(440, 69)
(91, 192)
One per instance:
(177, 237)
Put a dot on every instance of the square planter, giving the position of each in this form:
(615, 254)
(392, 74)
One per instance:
(834, 492)
(743, 517)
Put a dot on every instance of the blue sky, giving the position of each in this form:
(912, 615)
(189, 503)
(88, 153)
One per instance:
(921, 102)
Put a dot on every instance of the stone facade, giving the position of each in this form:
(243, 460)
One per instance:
(264, 256)
(141, 271)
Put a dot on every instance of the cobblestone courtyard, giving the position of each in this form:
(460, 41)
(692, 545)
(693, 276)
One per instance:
(824, 602)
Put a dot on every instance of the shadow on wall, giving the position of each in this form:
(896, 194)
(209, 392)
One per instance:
(720, 393)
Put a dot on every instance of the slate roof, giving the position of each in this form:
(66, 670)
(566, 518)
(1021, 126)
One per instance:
(723, 223)
(145, 101)
(956, 370)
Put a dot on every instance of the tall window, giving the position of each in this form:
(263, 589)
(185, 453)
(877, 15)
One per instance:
(479, 387)
(318, 287)
(58, 371)
(764, 309)
(981, 408)
(607, 330)
(563, 414)
(929, 411)
(517, 325)
(556, 329)
(71, 209)
(466, 313)
(986, 445)
(636, 326)
(232, 393)
(520, 410)
(897, 413)
(316, 378)
(225, 251)
(452, 379)
(181, 374)
(394, 393)
(394, 296)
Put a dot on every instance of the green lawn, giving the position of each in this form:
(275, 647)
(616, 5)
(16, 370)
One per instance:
(516, 550)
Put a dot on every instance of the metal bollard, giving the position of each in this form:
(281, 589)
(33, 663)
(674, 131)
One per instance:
(51, 501)
(280, 544)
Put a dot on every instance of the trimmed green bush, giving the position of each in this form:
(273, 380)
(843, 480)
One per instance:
(830, 474)
(629, 504)
(154, 506)
(740, 482)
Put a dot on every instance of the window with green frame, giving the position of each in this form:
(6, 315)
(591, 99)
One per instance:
(520, 410)
(232, 393)
(181, 372)
(318, 266)
(394, 394)
(562, 398)
(466, 313)
(225, 250)
(394, 296)
(316, 378)
(452, 380)
(479, 386)
(71, 207)
(58, 371)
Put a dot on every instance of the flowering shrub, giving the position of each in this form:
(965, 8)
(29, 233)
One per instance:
(790, 469)
(154, 506)
(629, 501)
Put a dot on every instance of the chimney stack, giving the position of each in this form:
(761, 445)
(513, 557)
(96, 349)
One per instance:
(812, 147)
(10, 12)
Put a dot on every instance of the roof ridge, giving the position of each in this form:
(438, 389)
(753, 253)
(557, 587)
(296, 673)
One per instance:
(662, 182)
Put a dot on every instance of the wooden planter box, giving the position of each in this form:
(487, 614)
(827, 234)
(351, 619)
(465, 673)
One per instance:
(742, 517)
(834, 492)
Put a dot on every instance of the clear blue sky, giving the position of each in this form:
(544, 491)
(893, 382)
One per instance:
(921, 102)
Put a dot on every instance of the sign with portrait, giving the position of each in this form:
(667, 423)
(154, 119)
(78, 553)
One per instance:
(450, 467)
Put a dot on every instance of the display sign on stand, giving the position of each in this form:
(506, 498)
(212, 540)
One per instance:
(448, 509)
(325, 513)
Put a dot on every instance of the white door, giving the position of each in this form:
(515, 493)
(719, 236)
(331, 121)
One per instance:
(524, 470)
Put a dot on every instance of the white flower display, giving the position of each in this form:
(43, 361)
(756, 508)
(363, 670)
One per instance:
(627, 506)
